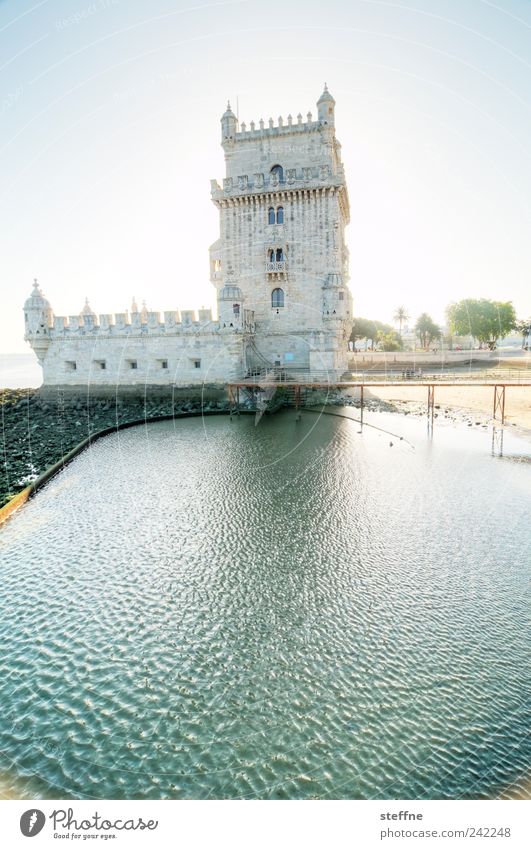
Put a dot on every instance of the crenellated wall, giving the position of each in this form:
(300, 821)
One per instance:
(124, 324)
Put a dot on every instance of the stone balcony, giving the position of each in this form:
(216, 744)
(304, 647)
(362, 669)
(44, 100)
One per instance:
(279, 267)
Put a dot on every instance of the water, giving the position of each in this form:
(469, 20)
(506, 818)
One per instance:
(209, 609)
(19, 371)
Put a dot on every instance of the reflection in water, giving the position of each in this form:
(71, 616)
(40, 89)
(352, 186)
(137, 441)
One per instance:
(497, 441)
(209, 609)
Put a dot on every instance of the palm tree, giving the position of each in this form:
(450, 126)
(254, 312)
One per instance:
(400, 316)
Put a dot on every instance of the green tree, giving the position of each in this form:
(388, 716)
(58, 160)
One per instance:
(374, 331)
(400, 316)
(485, 320)
(388, 341)
(363, 328)
(426, 329)
(523, 327)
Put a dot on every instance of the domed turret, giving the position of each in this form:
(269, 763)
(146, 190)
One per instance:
(87, 315)
(87, 309)
(230, 306)
(325, 107)
(38, 319)
(229, 293)
(229, 124)
(336, 297)
(333, 281)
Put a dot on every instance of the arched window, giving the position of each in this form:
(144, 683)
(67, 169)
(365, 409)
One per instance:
(271, 216)
(271, 255)
(277, 298)
(280, 255)
(280, 215)
(236, 309)
(279, 171)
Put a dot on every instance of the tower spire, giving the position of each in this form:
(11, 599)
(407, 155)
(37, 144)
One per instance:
(325, 107)
(229, 124)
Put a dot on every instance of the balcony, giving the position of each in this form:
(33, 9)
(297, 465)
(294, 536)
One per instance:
(276, 267)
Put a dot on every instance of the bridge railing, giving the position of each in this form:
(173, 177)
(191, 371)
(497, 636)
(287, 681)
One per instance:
(522, 376)
(281, 375)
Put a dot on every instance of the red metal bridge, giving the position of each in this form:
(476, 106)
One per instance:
(260, 391)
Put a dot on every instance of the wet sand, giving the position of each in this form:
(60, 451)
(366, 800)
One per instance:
(462, 403)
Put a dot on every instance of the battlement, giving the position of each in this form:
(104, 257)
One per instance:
(124, 324)
(232, 133)
(280, 129)
(310, 177)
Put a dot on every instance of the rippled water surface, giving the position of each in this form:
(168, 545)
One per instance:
(290, 610)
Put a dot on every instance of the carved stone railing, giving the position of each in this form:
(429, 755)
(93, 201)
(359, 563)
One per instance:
(276, 267)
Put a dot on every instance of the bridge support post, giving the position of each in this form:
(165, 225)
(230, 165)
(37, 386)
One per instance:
(499, 403)
(431, 403)
(361, 405)
(297, 399)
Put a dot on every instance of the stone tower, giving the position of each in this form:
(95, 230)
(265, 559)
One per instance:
(283, 212)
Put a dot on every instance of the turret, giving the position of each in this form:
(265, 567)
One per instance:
(38, 319)
(336, 298)
(325, 108)
(87, 315)
(229, 124)
(230, 307)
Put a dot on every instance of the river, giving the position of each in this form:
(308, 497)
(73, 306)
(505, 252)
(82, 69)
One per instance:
(293, 609)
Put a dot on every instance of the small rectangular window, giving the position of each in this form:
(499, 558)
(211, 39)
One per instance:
(164, 364)
(341, 296)
(197, 363)
(71, 365)
(100, 364)
(133, 364)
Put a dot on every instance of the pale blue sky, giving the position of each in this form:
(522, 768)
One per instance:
(110, 135)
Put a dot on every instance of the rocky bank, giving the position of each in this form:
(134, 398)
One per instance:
(37, 433)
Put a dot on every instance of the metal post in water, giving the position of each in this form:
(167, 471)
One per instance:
(431, 404)
(499, 403)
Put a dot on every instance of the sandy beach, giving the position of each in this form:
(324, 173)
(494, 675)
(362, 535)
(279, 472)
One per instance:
(462, 402)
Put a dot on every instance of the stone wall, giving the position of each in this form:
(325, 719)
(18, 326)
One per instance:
(100, 360)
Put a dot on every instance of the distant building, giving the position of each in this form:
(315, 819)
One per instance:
(280, 267)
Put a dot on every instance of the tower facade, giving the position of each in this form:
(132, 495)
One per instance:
(280, 268)
(283, 211)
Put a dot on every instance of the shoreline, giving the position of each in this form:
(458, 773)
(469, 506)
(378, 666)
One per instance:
(471, 406)
(40, 437)
(38, 434)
